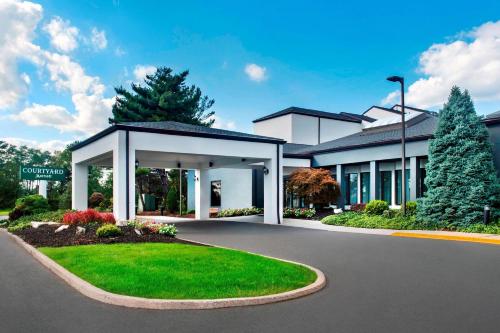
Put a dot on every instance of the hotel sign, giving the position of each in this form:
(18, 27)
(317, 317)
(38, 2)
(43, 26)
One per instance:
(29, 172)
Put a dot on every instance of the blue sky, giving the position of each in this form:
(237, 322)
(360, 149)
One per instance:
(252, 58)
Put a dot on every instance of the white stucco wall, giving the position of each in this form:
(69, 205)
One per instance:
(332, 129)
(304, 129)
(279, 127)
(236, 187)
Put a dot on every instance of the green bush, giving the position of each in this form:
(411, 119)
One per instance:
(108, 230)
(350, 219)
(411, 208)
(339, 219)
(172, 199)
(29, 205)
(19, 226)
(299, 212)
(168, 230)
(376, 207)
(239, 212)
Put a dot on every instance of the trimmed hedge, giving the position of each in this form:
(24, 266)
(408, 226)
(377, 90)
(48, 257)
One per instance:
(108, 230)
(376, 207)
(240, 212)
(29, 205)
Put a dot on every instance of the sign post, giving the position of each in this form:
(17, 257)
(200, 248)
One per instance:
(43, 174)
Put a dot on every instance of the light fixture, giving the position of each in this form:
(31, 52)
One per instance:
(265, 170)
(401, 81)
(210, 164)
(196, 178)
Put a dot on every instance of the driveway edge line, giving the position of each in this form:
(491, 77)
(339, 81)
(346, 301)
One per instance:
(98, 294)
(483, 240)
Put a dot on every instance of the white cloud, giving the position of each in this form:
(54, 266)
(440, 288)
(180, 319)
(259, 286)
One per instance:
(98, 39)
(17, 31)
(223, 123)
(63, 36)
(471, 61)
(140, 71)
(392, 98)
(52, 145)
(45, 115)
(255, 72)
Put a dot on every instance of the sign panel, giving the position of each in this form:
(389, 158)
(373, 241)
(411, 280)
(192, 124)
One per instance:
(29, 172)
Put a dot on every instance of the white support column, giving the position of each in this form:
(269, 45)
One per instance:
(202, 194)
(120, 178)
(374, 180)
(342, 183)
(42, 188)
(393, 187)
(131, 187)
(273, 189)
(414, 178)
(79, 190)
(359, 188)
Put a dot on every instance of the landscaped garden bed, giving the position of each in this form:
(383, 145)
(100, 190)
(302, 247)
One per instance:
(45, 235)
(179, 271)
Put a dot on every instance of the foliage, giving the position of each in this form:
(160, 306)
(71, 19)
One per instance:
(29, 205)
(240, 212)
(376, 207)
(316, 186)
(480, 228)
(163, 97)
(411, 208)
(360, 220)
(19, 227)
(168, 230)
(108, 230)
(359, 207)
(179, 271)
(96, 199)
(88, 216)
(299, 212)
(53, 216)
(461, 177)
(173, 199)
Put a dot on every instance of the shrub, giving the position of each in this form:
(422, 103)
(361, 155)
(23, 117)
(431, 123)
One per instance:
(316, 186)
(376, 207)
(19, 226)
(339, 219)
(239, 212)
(108, 230)
(299, 212)
(88, 216)
(172, 199)
(168, 230)
(96, 199)
(411, 208)
(360, 207)
(29, 205)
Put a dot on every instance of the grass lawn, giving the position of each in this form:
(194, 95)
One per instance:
(178, 271)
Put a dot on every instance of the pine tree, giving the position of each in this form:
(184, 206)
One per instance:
(461, 177)
(163, 96)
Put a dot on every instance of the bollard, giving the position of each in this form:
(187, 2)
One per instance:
(486, 214)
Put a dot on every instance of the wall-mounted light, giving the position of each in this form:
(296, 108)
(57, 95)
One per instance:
(136, 163)
(266, 171)
(243, 159)
(196, 178)
(210, 164)
(179, 165)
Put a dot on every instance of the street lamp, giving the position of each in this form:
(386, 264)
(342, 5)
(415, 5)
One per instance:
(401, 80)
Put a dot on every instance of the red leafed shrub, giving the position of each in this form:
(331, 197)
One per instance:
(358, 207)
(88, 216)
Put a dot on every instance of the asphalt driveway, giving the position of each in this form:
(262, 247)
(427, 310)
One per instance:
(376, 284)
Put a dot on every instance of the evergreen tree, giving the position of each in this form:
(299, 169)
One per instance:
(164, 96)
(461, 177)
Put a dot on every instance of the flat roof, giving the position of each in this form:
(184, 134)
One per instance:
(176, 128)
(309, 112)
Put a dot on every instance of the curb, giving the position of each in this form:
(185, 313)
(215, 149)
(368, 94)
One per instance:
(98, 294)
(483, 240)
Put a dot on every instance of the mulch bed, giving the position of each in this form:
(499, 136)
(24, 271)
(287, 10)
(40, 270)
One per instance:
(44, 236)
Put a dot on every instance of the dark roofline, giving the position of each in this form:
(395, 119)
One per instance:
(125, 127)
(307, 112)
(382, 108)
(417, 109)
(371, 144)
(358, 116)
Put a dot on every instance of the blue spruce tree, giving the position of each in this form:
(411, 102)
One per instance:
(461, 177)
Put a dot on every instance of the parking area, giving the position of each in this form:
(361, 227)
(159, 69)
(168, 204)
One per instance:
(376, 283)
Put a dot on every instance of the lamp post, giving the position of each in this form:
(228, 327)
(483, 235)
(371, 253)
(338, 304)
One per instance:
(401, 80)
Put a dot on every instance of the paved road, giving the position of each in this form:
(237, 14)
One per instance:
(376, 284)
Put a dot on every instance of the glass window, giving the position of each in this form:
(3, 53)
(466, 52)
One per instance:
(365, 187)
(399, 199)
(423, 188)
(215, 193)
(352, 188)
(386, 186)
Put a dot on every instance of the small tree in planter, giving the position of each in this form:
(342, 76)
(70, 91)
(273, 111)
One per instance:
(316, 186)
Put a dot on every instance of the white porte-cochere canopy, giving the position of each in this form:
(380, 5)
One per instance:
(175, 145)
